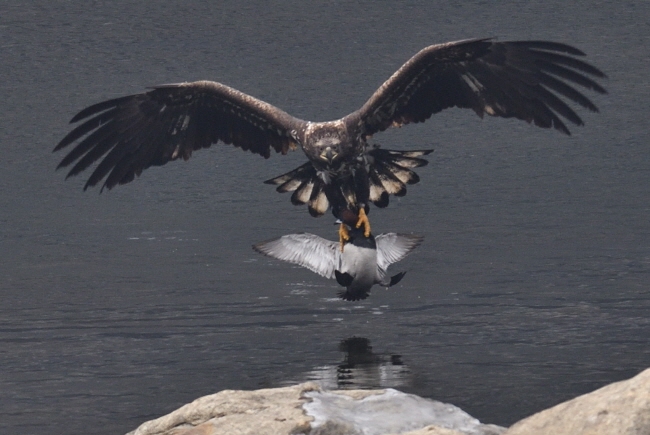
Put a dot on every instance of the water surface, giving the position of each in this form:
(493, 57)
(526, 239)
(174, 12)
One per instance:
(530, 288)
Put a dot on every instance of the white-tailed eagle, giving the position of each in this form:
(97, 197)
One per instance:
(528, 80)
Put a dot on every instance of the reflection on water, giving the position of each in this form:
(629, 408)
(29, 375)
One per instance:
(362, 369)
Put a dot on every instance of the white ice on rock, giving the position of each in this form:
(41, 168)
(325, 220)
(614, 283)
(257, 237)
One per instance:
(392, 412)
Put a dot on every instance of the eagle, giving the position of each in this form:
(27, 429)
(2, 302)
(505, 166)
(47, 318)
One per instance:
(534, 81)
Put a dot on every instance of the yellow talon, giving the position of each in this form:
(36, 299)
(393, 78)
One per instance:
(363, 220)
(344, 236)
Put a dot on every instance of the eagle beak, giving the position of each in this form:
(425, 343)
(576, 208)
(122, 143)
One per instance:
(328, 155)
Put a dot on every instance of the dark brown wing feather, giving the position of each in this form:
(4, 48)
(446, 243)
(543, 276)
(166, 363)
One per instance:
(521, 79)
(135, 132)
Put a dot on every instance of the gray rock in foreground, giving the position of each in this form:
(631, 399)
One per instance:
(271, 411)
(620, 408)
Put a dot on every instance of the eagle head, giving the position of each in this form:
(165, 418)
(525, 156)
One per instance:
(328, 148)
(326, 143)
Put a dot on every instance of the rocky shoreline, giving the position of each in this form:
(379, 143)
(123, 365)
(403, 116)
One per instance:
(621, 408)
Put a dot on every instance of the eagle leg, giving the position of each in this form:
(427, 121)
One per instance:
(363, 220)
(344, 236)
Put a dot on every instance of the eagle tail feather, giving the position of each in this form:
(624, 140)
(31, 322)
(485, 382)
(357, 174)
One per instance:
(389, 181)
(391, 170)
(405, 159)
(292, 180)
(318, 202)
(378, 194)
(388, 174)
(303, 193)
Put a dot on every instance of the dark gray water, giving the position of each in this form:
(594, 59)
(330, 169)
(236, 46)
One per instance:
(531, 286)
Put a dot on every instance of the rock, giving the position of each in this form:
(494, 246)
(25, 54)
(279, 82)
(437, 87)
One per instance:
(270, 411)
(621, 408)
(306, 409)
(433, 430)
(486, 429)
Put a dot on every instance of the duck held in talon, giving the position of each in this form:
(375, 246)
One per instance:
(361, 264)
(527, 80)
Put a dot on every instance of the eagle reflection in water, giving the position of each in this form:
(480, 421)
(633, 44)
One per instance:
(361, 368)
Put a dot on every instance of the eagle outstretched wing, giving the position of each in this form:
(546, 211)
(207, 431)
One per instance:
(135, 132)
(520, 79)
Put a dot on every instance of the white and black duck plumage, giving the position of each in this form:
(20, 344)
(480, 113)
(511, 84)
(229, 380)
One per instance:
(360, 265)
